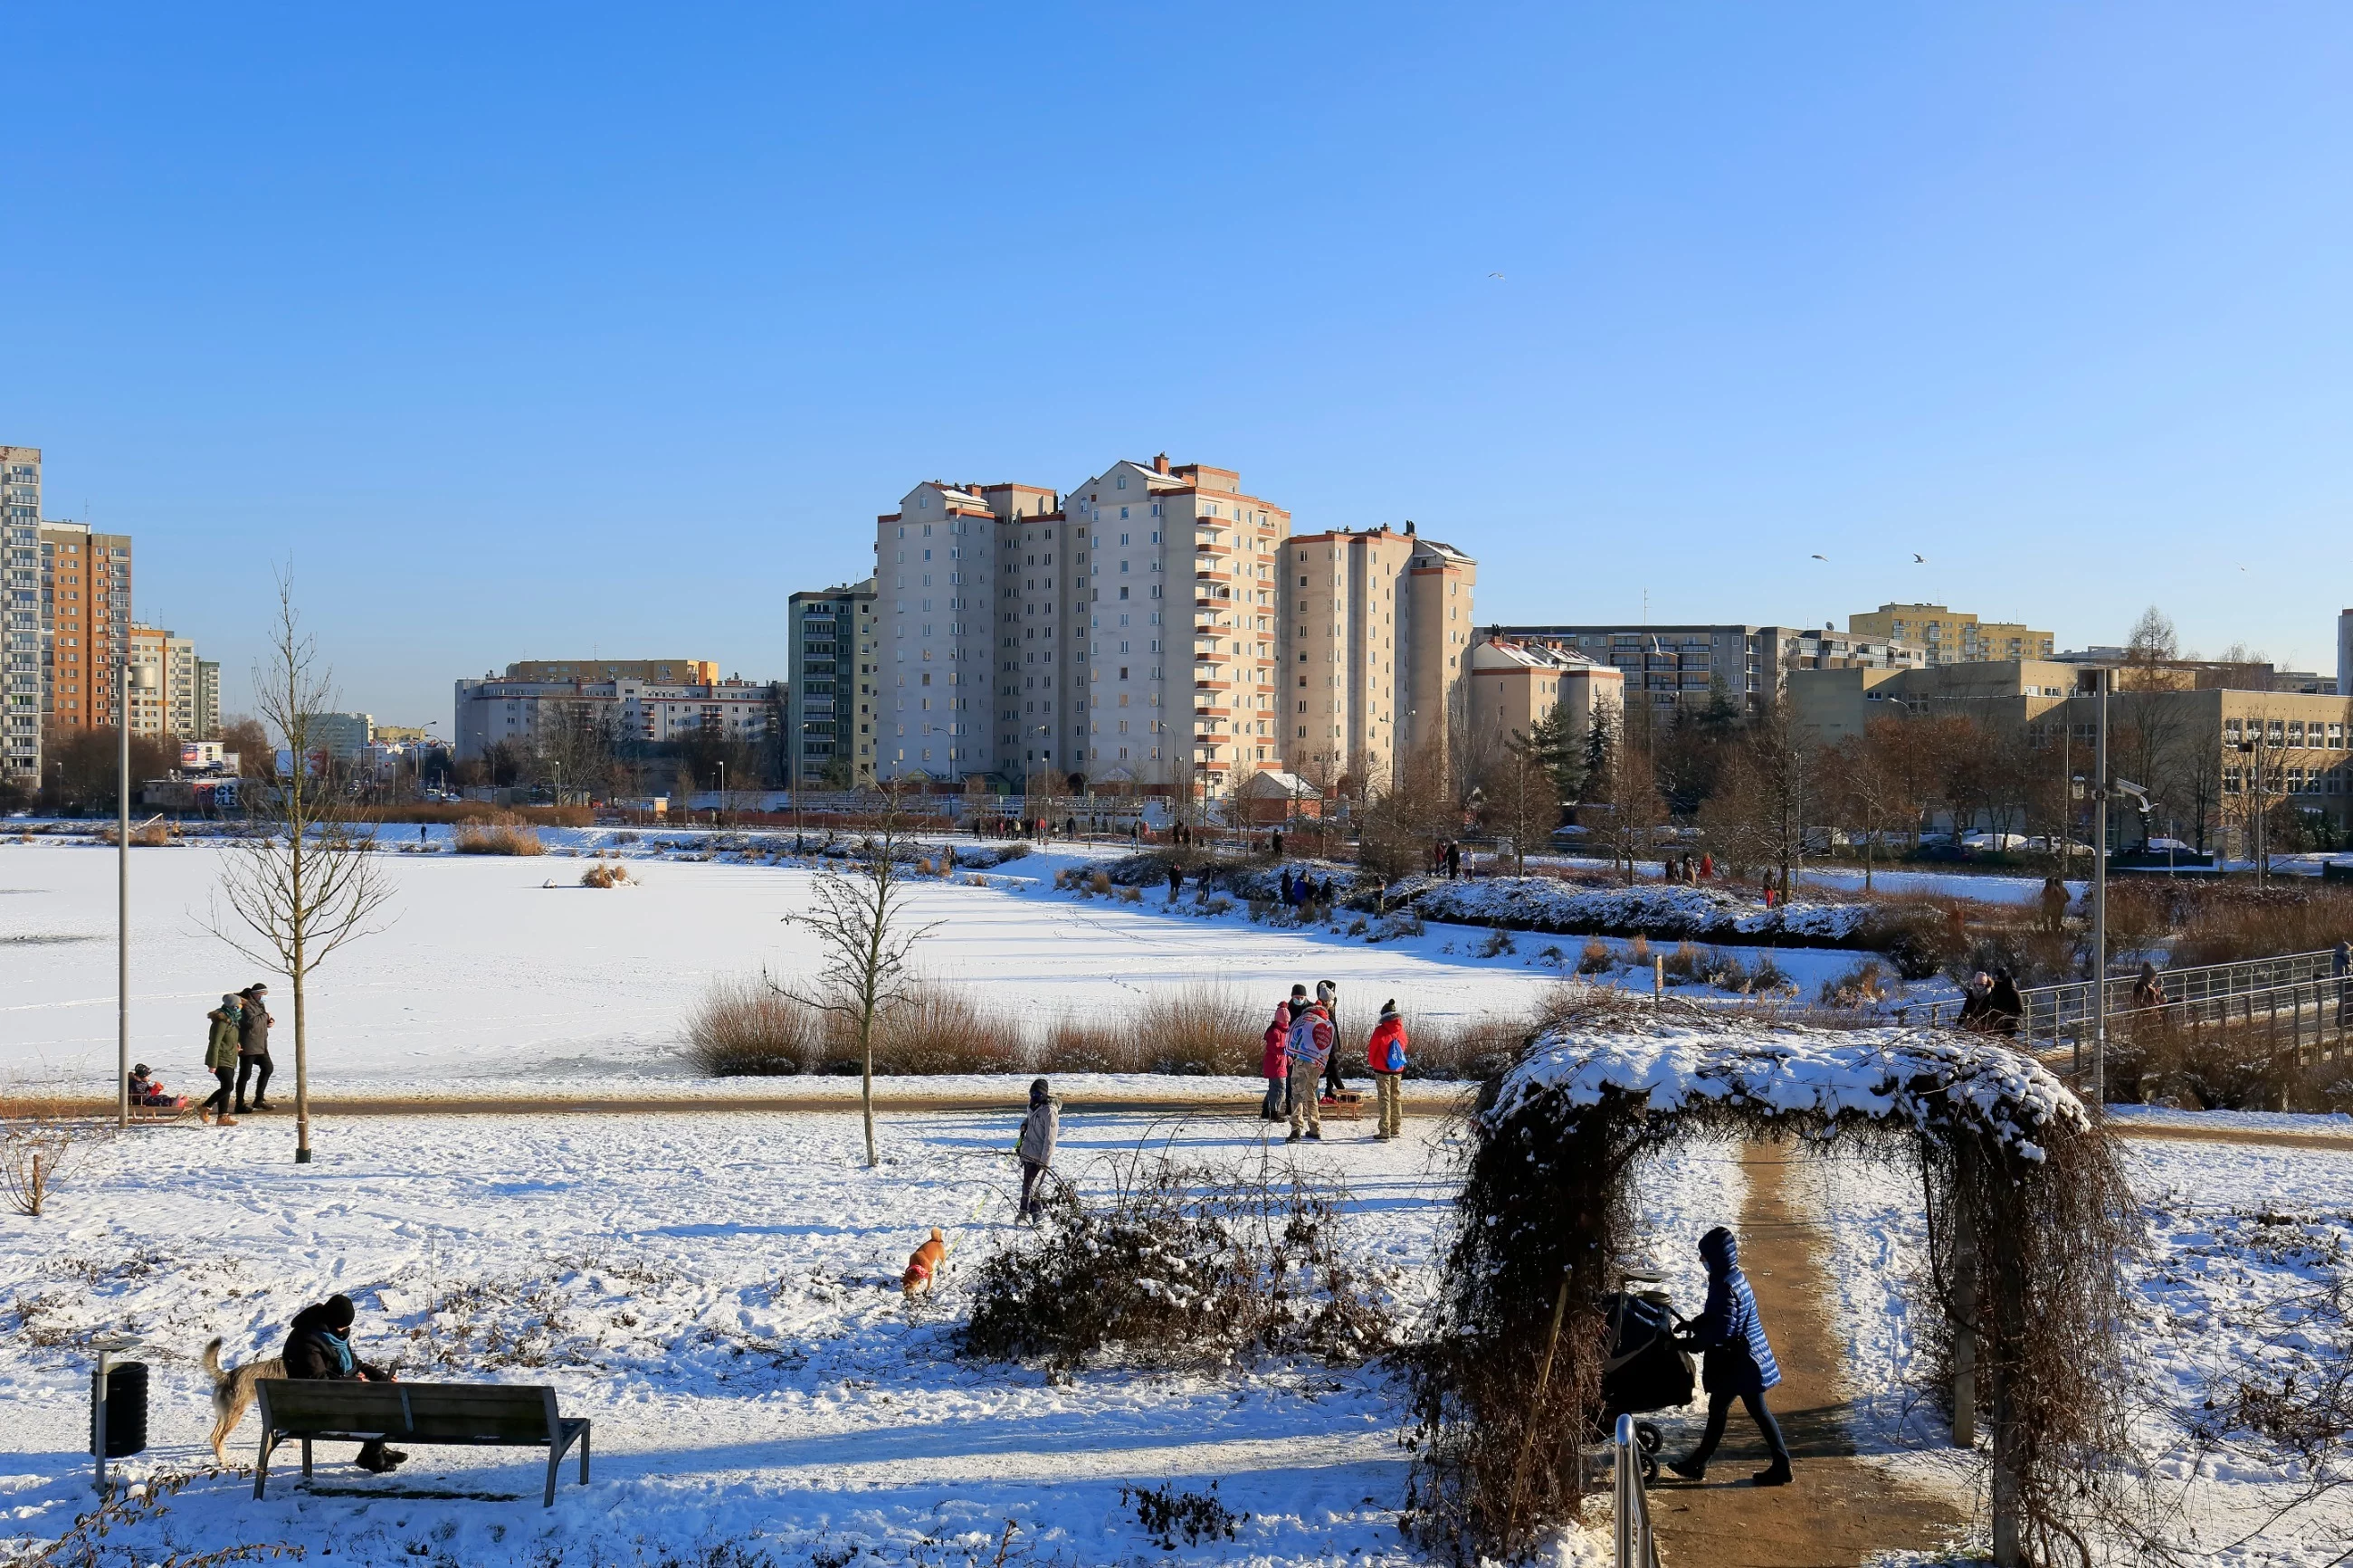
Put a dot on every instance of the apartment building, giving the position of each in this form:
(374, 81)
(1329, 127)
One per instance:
(207, 701)
(1952, 636)
(85, 624)
(497, 709)
(1124, 631)
(1831, 704)
(341, 737)
(1514, 685)
(830, 721)
(177, 706)
(658, 671)
(1378, 633)
(22, 641)
(1667, 667)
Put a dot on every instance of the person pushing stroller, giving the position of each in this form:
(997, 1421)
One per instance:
(1735, 1361)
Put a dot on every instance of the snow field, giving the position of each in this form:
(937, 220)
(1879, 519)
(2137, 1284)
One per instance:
(719, 1295)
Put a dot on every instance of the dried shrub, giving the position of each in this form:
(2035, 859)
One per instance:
(1860, 984)
(501, 833)
(1167, 1513)
(1546, 1215)
(1684, 967)
(1100, 882)
(1596, 958)
(744, 1027)
(605, 874)
(942, 1031)
(1181, 1266)
(38, 1143)
(1497, 944)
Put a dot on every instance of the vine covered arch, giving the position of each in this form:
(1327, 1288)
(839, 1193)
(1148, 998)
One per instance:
(2029, 1215)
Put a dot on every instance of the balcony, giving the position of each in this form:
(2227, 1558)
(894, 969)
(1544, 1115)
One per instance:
(1209, 547)
(1213, 685)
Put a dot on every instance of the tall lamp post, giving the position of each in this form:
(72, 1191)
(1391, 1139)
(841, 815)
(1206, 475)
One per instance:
(136, 678)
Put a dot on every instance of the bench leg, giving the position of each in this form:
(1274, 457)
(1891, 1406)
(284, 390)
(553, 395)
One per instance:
(554, 1460)
(306, 1458)
(584, 1453)
(261, 1464)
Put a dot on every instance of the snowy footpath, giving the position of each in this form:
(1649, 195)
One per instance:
(719, 1295)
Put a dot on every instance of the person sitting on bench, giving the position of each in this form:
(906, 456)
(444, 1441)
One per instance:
(319, 1345)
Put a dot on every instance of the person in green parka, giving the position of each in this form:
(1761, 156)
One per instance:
(220, 1059)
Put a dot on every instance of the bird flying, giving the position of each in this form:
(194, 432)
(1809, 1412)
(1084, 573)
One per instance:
(1919, 558)
(1820, 557)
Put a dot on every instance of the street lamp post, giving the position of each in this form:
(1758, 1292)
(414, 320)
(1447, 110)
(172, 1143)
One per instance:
(2100, 907)
(136, 678)
(723, 795)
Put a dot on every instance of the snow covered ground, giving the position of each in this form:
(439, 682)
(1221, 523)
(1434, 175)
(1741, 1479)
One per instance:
(2243, 1239)
(498, 975)
(718, 1295)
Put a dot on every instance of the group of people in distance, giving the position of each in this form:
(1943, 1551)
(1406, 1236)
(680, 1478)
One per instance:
(1301, 1063)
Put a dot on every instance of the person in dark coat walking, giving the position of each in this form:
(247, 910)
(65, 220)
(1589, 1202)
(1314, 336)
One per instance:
(1175, 880)
(253, 1047)
(1453, 860)
(221, 1058)
(1735, 1361)
(319, 1345)
(2004, 1006)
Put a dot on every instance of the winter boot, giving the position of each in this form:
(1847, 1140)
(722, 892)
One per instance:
(1779, 1476)
(1691, 1469)
(225, 1120)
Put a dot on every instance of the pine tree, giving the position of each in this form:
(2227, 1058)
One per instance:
(1550, 745)
(1601, 750)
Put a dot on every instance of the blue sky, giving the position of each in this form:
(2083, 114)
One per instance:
(556, 331)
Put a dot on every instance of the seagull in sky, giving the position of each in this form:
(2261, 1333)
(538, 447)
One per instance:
(1823, 558)
(1919, 558)
(1495, 275)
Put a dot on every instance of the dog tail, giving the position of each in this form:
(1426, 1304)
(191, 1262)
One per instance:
(212, 1364)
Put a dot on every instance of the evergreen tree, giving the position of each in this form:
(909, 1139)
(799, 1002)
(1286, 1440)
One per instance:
(1601, 750)
(1551, 745)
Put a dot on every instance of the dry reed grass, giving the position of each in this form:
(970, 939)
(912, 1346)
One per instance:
(605, 874)
(503, 833)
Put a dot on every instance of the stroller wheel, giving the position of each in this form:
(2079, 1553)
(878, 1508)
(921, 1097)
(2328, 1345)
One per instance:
(1649, 1468)
(1646, 1436)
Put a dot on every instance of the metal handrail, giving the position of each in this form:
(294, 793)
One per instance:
(1637, 1546)
(2059, 1015)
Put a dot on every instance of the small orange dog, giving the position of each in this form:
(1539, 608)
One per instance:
(923, 1266)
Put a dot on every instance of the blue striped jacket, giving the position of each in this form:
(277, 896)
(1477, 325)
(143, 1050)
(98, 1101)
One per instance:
(1728, 1325)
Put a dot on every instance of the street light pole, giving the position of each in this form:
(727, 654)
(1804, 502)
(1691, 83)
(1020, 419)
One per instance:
(135, 678)
(2100, 907)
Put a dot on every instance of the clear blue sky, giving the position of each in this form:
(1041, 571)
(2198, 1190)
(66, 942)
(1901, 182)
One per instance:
(542, 331)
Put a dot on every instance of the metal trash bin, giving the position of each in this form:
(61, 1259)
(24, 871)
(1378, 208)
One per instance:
(125, 1408)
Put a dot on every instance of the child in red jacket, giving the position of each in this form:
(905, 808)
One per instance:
(1384, 1054)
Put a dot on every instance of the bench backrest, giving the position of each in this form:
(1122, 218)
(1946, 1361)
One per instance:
(423, 1412)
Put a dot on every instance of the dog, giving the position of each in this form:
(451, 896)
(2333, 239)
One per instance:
(233, 1391)
(923, 1266)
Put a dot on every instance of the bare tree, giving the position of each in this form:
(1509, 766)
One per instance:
(864, 936)
(1397, 828)
(2150, 646)
(1523, 800)
(1767, 787)
(309, 882)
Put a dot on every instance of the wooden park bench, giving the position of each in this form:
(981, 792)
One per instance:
(474, 1414)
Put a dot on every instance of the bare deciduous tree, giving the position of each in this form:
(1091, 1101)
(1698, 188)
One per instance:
(1523, 800)
(309, 882)
(864, 937)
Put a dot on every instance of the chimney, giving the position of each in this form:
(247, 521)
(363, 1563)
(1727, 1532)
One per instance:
(1408, 528)
(1160, 464)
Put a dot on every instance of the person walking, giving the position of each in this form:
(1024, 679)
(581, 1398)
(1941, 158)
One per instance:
(2340, 965)
(1309, 1044)
(1736, 1361)
(319, 1345)
(2148, 991)
(1327, 996)
(253, 1047)
(2005, 1008)
(1453, 860)
(220, 1060)
(1036, 1147)
(1274, 1059)
(1384, 1054)
(1175, 880)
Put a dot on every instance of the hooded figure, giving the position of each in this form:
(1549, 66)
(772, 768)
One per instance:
(319, 1345)
(1736, 1361)
(1039, 1128)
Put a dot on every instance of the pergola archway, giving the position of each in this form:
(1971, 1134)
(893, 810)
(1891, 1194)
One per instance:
(2027, 1208)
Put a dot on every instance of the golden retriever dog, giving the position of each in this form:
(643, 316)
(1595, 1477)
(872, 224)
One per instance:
(233, 1391)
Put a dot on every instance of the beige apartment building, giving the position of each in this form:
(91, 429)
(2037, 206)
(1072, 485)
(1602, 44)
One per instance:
(1832, 704)
(1953, 636)
(177, 705)
(1514, 685)
(1377, 650)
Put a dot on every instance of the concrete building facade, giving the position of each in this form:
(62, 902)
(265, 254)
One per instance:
(495, 709)
(85, 624)
(22, 640)
(1514, 685)
(1667, 667)
(1378, 629)
(1953, 636)
(830, 717)
(208, 700)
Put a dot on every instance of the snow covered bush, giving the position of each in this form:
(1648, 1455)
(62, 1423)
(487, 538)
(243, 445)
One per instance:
(1182, 1266)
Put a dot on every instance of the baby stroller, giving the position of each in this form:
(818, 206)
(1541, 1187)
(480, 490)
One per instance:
(1646, 1370)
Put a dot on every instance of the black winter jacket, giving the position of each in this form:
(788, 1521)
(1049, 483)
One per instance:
(310, 1347)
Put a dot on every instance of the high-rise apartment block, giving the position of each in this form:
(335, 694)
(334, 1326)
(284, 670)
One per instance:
(1379, 631)
(85, 624)
(207, 701)
(829, 722)
(1953, 636)
(514, 709)
(21, 638)
(1670, 667)
(1127, 630)
(177, 705)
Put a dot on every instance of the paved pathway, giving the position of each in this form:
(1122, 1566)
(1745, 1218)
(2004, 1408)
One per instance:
(1841, 1509)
